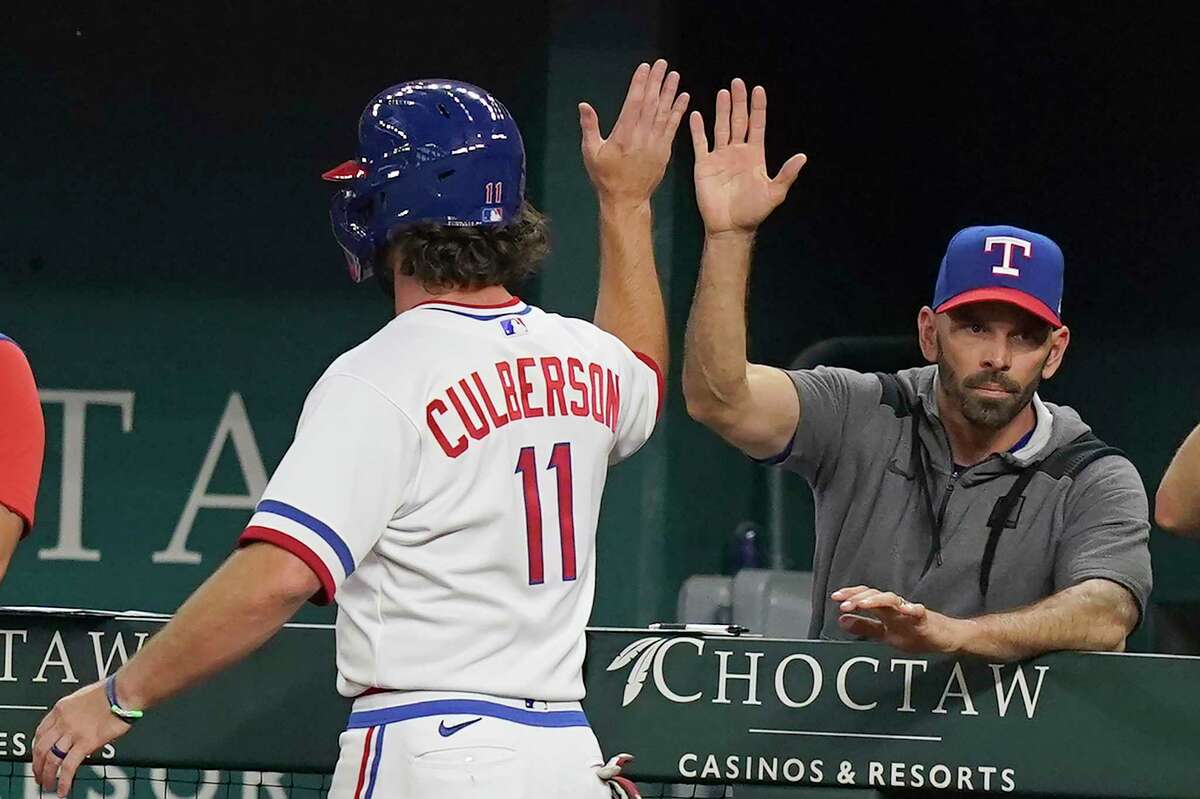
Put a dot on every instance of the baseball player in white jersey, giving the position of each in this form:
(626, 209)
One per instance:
(445, 479)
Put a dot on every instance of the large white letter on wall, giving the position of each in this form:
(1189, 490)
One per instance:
(70, 515)
(235, 425)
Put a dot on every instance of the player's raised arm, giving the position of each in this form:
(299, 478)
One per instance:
(625, 169)
(753, 407)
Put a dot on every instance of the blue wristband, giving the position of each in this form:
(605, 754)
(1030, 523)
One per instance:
(110, 689)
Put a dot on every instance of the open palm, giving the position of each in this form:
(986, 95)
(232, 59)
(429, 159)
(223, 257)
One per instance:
(733, 189)
(630, 163)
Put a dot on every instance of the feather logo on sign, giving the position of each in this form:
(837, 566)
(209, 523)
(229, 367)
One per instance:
(630, 652)
(637, 675)
(645, 653)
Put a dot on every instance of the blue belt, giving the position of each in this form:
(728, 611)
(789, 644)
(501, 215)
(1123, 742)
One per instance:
(467, 707)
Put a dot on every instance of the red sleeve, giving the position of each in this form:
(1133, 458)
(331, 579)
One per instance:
(653, 364)
(22, 433)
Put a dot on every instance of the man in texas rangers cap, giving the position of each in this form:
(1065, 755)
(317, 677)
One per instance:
(956, 511)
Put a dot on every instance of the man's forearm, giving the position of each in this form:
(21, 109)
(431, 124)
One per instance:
(1177, 503)
(629, 303)
(234, 612)
(1095, 615)
(11, 528)
(714, 361)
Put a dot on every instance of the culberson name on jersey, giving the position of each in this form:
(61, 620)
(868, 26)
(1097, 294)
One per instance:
(524, 388)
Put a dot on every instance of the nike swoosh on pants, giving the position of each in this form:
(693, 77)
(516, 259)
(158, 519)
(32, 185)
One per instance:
(446, 732)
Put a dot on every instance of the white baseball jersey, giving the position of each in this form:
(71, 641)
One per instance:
(444, 484)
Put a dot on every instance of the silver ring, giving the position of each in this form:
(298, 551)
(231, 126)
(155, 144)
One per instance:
(60, 754)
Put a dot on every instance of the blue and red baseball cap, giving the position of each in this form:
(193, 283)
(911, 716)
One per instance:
(1001, 263)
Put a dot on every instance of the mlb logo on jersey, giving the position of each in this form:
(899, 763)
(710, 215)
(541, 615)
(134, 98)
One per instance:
(493, 214)
(513, 327)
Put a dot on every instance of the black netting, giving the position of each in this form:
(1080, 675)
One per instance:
(129, 782)
(656, 790)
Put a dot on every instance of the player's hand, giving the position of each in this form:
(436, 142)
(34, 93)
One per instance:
(630, 163)
(77, 725)
(885, 616)
(733, 189)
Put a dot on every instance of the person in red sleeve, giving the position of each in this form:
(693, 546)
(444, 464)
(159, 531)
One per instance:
(22, 444)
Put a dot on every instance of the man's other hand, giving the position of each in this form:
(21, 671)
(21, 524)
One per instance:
(885, 616)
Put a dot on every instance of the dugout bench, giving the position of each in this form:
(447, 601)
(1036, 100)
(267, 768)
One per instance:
(706, 715)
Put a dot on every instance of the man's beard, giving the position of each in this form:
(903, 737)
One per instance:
(990, 412)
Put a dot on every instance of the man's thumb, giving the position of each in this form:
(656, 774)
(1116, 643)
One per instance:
(589, 126)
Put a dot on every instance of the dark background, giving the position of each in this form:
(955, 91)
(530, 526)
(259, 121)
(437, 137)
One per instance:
(921, 118)
(151, 134)
(183, 143)
(162, 171)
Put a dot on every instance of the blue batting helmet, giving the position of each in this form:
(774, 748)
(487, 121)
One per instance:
(432, 150)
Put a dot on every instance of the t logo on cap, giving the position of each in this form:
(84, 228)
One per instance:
(1032, 279)
(1009, 242)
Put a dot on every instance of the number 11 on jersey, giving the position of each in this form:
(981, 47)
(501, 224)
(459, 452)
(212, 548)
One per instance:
(560, 462)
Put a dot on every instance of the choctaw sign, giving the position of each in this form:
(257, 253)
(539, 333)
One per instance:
(754, 710)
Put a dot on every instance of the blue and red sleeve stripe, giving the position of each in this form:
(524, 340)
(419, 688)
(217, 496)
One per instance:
(311, 559)
(261, 529)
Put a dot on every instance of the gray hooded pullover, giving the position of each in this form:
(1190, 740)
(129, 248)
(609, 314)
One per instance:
(873, 520)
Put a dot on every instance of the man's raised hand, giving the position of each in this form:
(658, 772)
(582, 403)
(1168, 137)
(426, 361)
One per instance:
(629, 164)
(733, 189)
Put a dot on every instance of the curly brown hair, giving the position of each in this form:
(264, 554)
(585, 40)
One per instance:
(448, 257)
